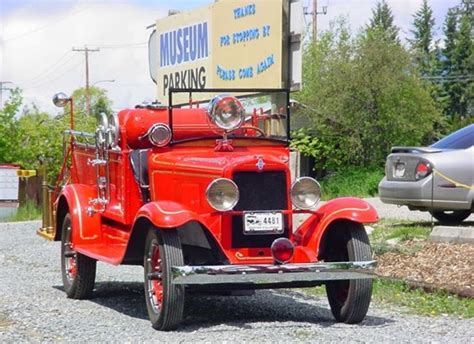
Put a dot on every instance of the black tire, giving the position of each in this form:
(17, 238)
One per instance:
(451, 217)
(78, 271)
(349, 299)
(164, 300)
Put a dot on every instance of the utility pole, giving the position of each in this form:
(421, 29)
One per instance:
(314, 15)
(3, 89)
(86, 51)
(315, 20)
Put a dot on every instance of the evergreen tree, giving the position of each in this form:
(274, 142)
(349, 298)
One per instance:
(382, 19)
(422, 42)
(458, 63)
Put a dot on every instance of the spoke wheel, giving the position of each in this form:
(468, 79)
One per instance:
(164, 300)
(349, 299)
(78, 271)
(451, 217)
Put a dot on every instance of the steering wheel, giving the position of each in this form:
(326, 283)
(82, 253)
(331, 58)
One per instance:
(250, 127)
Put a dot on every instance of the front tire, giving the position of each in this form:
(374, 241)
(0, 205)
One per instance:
(349, 299)
(164, 300)
(78, 271)
(451, 217)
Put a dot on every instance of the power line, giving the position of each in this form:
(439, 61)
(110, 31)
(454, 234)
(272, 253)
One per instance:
(56, 78)
(125, 45)
(53, 68)
(72, 13)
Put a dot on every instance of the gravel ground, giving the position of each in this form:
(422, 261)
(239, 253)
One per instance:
(391, 211)
(33, 308)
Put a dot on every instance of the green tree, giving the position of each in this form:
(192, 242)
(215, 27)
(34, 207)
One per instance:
(422, 42)
(458, 63)
(364, 96)
(382, 19)
(99, 102)
(41, 139)
(8, 132)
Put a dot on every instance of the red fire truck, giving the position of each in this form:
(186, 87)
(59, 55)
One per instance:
(202, 197)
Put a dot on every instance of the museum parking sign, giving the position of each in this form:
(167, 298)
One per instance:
(229, 44)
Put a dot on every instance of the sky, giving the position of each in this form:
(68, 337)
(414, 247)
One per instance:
(37, 38)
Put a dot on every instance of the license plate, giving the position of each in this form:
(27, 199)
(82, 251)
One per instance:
(258, 223)
(399, 170)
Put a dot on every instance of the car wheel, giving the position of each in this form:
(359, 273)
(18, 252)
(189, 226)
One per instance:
(349, 299)
(78, 271)
(451, 217)
(164, 300)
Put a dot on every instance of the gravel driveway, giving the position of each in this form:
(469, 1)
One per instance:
(391, 211)
(34, 308)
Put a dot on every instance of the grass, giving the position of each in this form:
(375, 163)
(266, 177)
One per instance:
(416, 301)
(355, 182)
(391, 292)
(26, 212)
(398, 230)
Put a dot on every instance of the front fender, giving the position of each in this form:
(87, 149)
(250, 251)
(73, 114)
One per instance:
(310, 232)
(167, 214)
(85, 228)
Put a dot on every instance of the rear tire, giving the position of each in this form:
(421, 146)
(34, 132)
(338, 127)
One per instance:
(349, 299)
(164, 300)
(78, 271)
(451, 217)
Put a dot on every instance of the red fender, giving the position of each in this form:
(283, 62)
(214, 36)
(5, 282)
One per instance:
(85, 228)
(167, 214)
(309, 234)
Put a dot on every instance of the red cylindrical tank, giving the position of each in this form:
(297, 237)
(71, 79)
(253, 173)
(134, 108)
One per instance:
(187, 123)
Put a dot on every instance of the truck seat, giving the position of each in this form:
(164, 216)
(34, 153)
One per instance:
(139, 163)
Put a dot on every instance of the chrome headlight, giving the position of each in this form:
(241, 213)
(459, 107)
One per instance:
(305, 193)
(226, 112)
(159, 134)
(222, 194)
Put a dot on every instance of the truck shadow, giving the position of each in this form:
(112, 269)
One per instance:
(202, 311)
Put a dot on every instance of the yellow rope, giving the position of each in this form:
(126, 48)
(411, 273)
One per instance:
(459, 185)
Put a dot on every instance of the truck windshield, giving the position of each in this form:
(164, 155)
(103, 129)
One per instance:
(263, 114)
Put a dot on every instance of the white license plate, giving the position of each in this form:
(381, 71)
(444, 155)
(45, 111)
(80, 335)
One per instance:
(257, 223)
(399, 170)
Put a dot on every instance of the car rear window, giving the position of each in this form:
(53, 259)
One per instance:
(461, 139)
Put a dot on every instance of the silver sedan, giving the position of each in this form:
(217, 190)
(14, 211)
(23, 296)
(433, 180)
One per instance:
(438, 178)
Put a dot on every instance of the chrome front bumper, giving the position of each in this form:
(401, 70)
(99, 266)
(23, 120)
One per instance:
(267, 274)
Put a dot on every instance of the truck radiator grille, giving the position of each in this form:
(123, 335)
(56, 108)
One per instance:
(259, 191)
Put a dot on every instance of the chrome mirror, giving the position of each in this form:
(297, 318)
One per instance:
(61, 99)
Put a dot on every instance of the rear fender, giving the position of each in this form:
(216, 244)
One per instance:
(309, 234)
(85, 228)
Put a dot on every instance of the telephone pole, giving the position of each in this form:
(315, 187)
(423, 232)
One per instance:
(86, 51)
(3, 89)
(314, 15)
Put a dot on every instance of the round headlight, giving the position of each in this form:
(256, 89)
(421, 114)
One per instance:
(101, 132)
(113, 131)
(222, 194)
(159, 134)
(226, 112)
(305, 193)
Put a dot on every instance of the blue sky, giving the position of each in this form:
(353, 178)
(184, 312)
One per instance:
(37, 36)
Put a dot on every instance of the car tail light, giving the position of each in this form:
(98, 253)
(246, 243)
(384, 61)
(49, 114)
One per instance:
(423, 169)
(282, 250)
